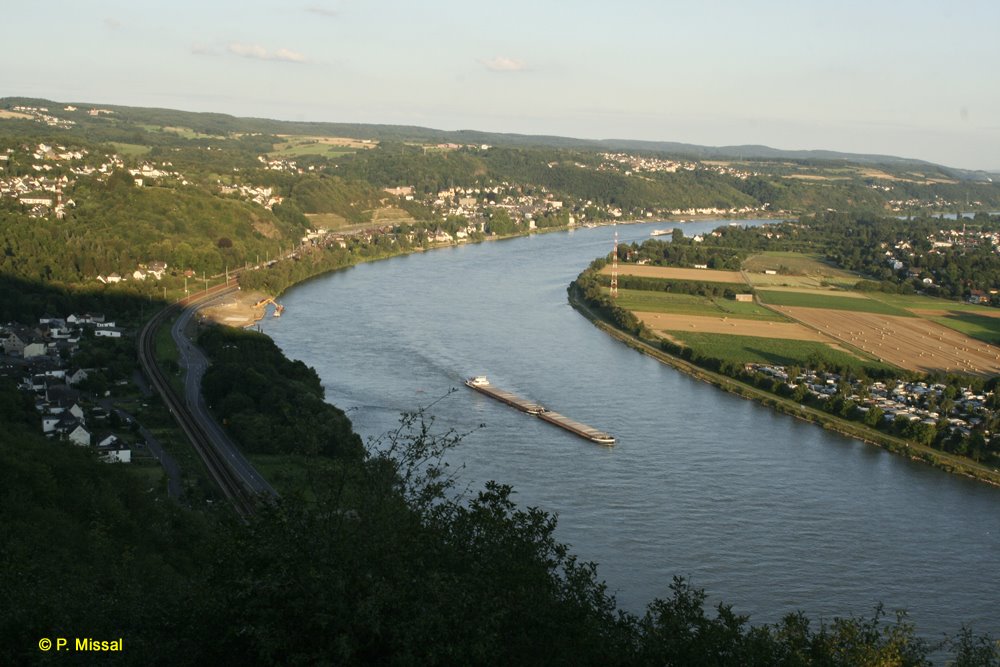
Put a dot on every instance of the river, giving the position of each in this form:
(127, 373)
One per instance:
(763, 511)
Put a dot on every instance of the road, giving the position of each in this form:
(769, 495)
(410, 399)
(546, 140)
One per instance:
(242, 486)
(194, 361)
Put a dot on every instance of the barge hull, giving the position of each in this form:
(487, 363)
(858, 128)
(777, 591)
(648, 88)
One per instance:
(510, 399)
(482, 385)
(577, 428)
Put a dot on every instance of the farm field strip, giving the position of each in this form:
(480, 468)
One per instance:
(692, 304)
(731, 326)
(916, 302)
(744, 349)
(975, 325)
(822, 291)
(838, 302)
(678, 273)
(908, 342)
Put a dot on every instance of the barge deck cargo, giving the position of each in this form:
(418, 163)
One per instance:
(482, 385)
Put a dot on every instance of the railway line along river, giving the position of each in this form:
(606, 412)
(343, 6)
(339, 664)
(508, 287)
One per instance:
(765, 512)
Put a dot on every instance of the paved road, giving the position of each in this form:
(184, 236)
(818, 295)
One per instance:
(195, 362)
(173, 471)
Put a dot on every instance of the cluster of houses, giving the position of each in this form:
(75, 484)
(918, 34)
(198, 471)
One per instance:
(481, 202)
(912, 401)
(42, 115)
(898, 256)
(147, 171)
(154, 270)
(37, 356)
(55, 170)
(914, 203)
(279, 164)
(258, 194)
(630, 164)
(635, 163)
(53, 337)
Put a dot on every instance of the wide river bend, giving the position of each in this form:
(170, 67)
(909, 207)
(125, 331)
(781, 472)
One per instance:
(764, 511)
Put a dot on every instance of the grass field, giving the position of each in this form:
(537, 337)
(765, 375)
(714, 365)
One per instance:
(130, 150)
(679, 273)
(14, 115)
(747, 349)
(692, 304)
(331, 147)
(797, 270)
(330, 221)
(293, 150)
(183, 132)
(976, 326)
(391, 215)
(830, 302)
(919, 302)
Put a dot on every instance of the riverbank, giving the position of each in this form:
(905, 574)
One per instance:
(913, 451)
(237, 310)
(279, 278)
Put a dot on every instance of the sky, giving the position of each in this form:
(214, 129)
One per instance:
(915, 79)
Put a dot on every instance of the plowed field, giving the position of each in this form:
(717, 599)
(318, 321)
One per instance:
(728, 325)
(676, 273)
(908, 342)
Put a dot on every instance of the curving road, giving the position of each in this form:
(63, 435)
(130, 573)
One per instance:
(195, 362)
(242, 486)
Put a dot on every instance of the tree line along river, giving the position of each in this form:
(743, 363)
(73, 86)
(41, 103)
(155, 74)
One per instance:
(765, 512)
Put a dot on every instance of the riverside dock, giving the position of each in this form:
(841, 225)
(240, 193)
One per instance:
(483, 386)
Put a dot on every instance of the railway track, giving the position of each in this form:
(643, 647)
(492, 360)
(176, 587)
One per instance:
(236, 491)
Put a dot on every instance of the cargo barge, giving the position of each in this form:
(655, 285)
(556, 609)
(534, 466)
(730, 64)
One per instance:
(575, 427)
(482, 385)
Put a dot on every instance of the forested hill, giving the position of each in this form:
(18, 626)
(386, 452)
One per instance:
(96, 195)
(222, 124)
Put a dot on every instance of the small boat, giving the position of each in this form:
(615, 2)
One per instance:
(278, 308)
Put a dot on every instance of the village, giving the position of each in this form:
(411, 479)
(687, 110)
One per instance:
(960, 411)
(900, 256)
(74, 403)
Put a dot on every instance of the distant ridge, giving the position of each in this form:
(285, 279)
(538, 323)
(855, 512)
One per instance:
(220, 123)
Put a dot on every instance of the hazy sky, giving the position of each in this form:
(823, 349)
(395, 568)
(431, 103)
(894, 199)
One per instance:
(916, 78)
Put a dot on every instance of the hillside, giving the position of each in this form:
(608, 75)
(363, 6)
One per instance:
(89, 193)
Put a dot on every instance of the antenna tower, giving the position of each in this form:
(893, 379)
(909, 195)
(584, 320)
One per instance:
(614, 267)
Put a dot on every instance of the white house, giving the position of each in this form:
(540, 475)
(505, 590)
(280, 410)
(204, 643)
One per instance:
(117, 453)
(49, 423)
(34, 349)
(76, 376)
(108, 332)
(79, 436)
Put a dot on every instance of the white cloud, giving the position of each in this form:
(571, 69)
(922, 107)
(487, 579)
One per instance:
(204, 50)
(503, 64)
(260, 53)
(322, 11)
(289, 55)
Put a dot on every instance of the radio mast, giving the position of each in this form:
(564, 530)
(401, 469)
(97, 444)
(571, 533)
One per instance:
(614, 267)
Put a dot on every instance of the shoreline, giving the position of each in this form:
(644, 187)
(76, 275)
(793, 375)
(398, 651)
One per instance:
(926, 455)
(895, 445)
(544, 230)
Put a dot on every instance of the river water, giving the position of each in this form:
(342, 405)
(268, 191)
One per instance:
(763, 511)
